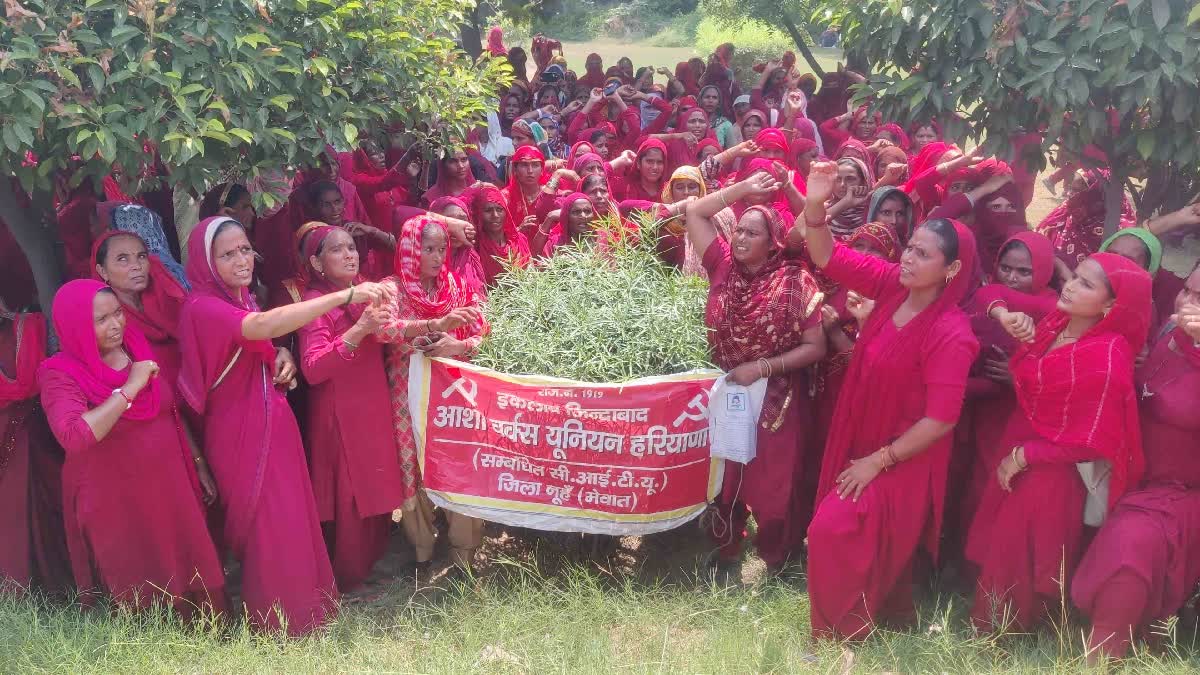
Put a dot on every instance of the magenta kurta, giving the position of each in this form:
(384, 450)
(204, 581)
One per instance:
(134, 528)
(861, 552)
(355, 462)
(254, 449)
(1145, 561)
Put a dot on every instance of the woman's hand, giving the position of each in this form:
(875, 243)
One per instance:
(746, 374)
(858, 476)
(859, 307)
(894, 173)
(285, 367)
(208, 486)
(1188, 319)
(140, 375)
(856, 196)
(455, 319)
(368, 291)
(821, 177)
(662, 70)
(572, 107)
(995, 366)
(1010, 466)
(1017, 324)
(372, 319)
(566, 173)
(829, 318)
(446, 347)
(745, 149)
(460, 230)
(759, 185)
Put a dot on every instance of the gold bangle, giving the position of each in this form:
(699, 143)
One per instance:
(1017, 460)
(350, 297)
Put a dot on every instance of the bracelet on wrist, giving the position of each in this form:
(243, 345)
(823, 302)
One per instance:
(350, 296)
(1017, 460)
(350, 345)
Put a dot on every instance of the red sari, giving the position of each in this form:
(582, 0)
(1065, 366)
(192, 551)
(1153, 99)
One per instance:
(861, 552)
(751, 316)
(1077, 225)
(1077, 404)
(492, 255)
(1144, 563)
(355, 464)
(518, 207)
(35, 549)
(254, 449)
(134, 530)
(989, 404)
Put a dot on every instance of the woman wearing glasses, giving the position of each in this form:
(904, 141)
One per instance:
(233, 376)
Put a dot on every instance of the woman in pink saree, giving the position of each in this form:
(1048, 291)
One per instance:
(235, 378)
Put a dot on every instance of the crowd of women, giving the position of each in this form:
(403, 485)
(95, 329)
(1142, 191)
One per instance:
(948, 385)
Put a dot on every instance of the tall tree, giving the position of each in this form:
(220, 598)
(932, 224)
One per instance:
(1121, 76)
(219, 87)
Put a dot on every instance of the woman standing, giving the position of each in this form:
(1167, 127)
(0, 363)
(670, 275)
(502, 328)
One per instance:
(355, 466)
(133, 529)
(883, 478)
(426, 300)
(235, 378)
(34, 554)
(1145, 561)
(764, 321)
(1074, 381)
(498, 239)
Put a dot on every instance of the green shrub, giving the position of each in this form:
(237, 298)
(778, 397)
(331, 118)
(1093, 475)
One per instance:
(680, 31)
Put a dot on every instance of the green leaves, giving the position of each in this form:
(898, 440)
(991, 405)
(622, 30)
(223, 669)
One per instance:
(226, 88)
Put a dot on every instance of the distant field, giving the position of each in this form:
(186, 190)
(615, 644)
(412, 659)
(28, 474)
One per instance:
(643, 55)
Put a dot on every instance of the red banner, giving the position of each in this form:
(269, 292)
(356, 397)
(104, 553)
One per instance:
(555, 454)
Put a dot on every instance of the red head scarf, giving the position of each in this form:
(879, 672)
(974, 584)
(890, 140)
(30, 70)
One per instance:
(879, 236)
(450, 293)
(581, 147)
(1041, 253)
(771, 138)
(853, 432)
(203, 358)
(707, 142)
(491, 254)
(896, 132)
(688, 78)
(932, 124)
(495, 42)
(753, 112)
(1082, 394)
(928, 157)
(755, 315)
(162, 300)
(634, 172)
(593, 76)
(891, 155)
(852, 147)
(80, 359)
(310, 244)
(29, 339)
(1076, 227)
(583, 160)
(799, 147)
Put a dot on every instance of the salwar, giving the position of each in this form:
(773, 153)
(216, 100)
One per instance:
(355, 543)
(860, 554)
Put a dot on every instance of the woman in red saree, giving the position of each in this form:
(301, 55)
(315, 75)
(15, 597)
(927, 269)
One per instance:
(35, 549)
(764, 321)
(529, 198)
(593, 76)
(1077, 225)
(643, 180)
(355, 464)
(1024, 268)
(842, 317)
(1074, 381)
(497, 239)
(882, 484)
(1144, 563)
(234, 377)
(464, 259)
(133, 528)
(426, 300)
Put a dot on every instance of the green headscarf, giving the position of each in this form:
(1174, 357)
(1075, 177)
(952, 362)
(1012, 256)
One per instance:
(1153, 245)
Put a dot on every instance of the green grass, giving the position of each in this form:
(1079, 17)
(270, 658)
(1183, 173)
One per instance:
(538, 607)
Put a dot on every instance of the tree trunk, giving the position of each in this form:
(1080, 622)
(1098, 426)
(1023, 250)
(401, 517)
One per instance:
(471, 35)
(36, 240)
(803, 46)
